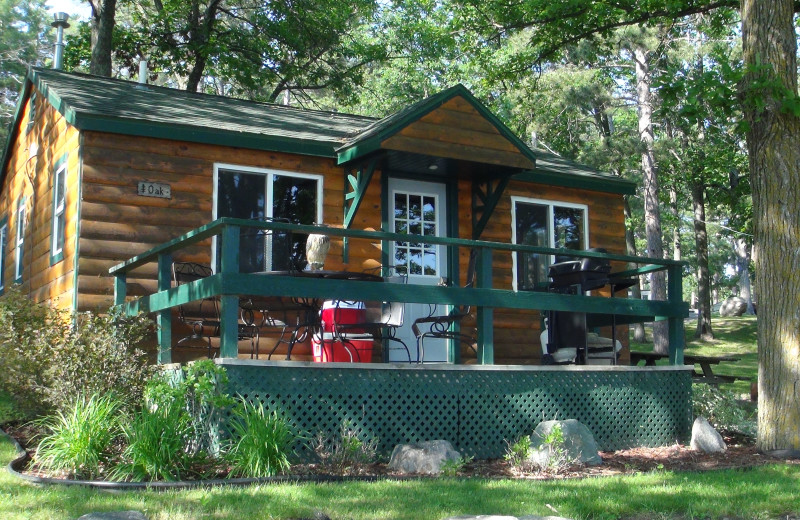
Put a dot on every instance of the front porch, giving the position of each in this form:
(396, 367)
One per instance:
(228, 285)
(476, 407)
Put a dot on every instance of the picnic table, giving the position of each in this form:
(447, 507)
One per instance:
(706, 375)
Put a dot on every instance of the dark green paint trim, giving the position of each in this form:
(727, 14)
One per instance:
(57, 257)
(490, 196)
(358, 187)
(20, 261)
(570, 179)
(164, 316)
(675, 325)
(13, 127)
(79, 211)
(385, 244)
(3, 253)
(215, 227)
(203, 135)
(485, 315)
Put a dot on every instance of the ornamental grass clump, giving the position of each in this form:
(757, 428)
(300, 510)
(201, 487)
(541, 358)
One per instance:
(261, 442)
(156, 439)
(79, 441)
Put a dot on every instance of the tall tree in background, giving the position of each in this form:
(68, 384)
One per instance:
(25, 40)
(102, 24)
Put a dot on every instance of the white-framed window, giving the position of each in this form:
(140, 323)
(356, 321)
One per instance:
(3, 242)
(59, 212)
(260, 193)
(19, 241)
(544, 223)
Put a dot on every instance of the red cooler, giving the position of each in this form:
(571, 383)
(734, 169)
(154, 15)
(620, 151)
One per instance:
(327, 349)
(342, 312)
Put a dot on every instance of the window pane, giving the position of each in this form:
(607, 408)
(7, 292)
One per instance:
(293, 199)
(414, 207)
(531, 223)
(243, 195)
(415, 261)
(400, 205)
(568, 232)
(430, 262)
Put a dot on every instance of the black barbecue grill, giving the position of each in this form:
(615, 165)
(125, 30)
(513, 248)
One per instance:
(585, 274)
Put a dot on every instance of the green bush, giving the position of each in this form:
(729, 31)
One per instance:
(261, 442)
(155, 439)
(723, 410)
(79, 441)
(50, 357)
(345, 451)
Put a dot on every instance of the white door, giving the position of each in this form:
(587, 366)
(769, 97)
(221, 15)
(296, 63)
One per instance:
(419, 208)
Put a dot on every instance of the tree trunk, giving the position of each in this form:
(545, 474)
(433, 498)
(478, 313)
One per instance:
(639, 335)
(652, 214)
(742, 250)
(704, 331)
(103, 12)
(769, 48)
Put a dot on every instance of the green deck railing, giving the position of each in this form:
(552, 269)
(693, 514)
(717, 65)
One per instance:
(228, 284)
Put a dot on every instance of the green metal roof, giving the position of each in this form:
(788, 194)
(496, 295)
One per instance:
(129, 108)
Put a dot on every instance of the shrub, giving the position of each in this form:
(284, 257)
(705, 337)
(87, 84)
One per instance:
(452, 468)
(722, 409)
(518, 454)
(346, 451)
(51, 357)
(100, 353)
(28, 332)
(156, 444)
(79, 441)
(261, 442)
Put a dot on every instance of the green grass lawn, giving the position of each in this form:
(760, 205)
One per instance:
(762, 493)
(736, 336)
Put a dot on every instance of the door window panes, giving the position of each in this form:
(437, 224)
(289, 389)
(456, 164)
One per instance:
(416, 215)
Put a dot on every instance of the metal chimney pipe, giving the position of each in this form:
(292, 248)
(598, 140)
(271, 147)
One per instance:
(60, 22)
(143, 72)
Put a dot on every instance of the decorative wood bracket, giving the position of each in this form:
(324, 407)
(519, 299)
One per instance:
(486, 194)
(354, 190)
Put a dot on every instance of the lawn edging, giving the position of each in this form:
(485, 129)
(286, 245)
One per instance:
(15, 468)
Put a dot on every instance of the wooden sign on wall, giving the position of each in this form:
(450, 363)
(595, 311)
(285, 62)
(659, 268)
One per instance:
(154, 189)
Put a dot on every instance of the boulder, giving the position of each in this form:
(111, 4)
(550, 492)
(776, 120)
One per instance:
(422, 457)
(733, 306)
(705, 438)
(579, 443)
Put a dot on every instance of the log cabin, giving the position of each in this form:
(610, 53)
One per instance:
(106, 181)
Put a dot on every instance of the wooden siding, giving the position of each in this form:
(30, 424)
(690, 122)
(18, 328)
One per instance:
(457, 131)
(32, 178)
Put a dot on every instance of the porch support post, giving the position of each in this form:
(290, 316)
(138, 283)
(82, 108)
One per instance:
(485, 197)
(229, 304)
(164, 317)
(352, 199)
(485, 315)
(120, 288)
(675, 325)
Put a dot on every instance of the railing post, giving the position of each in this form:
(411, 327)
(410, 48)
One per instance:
(229, 304)
(120, 288)
(485, 315)
(164, 317)
(675, 325)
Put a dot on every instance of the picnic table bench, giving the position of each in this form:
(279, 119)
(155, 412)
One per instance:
(706, 375)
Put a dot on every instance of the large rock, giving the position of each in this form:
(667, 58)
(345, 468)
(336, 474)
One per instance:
(579, 443)
(705, 438)
(733, 306)
(422, 457)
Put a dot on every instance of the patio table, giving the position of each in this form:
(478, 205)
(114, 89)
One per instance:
(706, 375)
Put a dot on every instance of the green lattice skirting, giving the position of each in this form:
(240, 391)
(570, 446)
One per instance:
(475, 408)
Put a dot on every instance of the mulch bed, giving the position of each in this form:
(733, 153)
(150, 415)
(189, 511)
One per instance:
(741, 453)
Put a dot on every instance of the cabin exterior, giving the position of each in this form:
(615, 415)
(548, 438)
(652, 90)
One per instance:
(84, 150)
(106, 182)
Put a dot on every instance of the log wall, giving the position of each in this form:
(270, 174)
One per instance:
(29, 176)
